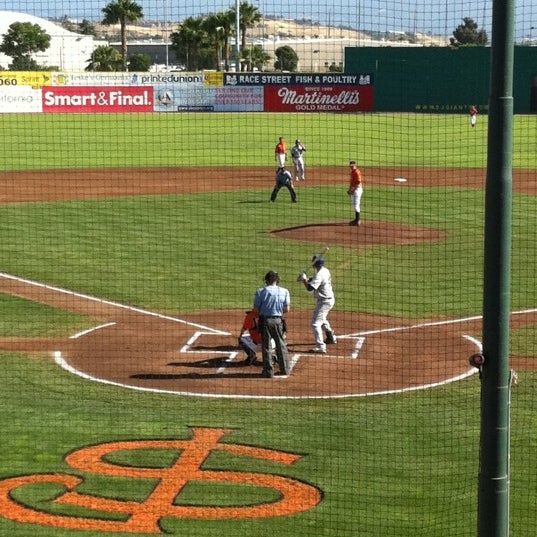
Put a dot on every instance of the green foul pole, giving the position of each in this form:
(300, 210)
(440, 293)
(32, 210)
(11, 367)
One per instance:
(493, 494)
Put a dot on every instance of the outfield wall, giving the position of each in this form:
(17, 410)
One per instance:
(58, 92)
(441, 79)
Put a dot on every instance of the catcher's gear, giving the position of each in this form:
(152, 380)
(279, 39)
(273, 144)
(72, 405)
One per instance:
(302, 277)
(250, 354)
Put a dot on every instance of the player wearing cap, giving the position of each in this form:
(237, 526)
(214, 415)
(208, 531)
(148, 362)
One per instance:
(280, 152)
(298, 160)
(283, 179)
(271, 303)
(473, 115)
(355, 191)
(321, 286)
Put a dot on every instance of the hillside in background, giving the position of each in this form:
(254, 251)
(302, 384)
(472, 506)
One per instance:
(278, 29)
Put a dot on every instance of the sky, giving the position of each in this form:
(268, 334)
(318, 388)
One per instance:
(438, 17)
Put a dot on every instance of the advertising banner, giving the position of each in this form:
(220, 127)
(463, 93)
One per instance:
(184, 98)
(125, 79)
(318, 98)
(157, 79)
(90, 78)
(309, 92)
(88, 92)
(69, 99)
(36, 79)
(20, 99)
(295, 79)
(242, 99)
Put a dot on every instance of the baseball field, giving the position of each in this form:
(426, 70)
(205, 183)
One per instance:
(131, 247)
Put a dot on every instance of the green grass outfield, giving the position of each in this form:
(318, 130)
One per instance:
(399, 465)
(44, 141)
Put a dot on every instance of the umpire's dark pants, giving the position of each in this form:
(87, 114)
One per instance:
(278, 187)
(272, 328)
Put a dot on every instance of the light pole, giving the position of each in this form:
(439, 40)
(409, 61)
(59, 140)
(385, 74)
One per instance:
(314, 66)
(359, 21)
(262, 26)
(219, 45)
(166, 34)
(237, 34)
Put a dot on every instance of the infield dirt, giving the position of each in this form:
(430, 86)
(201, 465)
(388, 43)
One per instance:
(197, 354)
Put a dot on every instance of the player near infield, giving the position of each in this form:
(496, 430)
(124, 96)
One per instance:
(280, 152)
(355, 191)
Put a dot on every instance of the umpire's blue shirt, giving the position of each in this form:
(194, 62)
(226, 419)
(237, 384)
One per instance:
(272, 301)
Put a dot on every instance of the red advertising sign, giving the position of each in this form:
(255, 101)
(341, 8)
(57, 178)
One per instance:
(73, 99)
(327, 98)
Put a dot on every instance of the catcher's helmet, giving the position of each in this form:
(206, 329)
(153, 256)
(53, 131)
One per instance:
(317, 261)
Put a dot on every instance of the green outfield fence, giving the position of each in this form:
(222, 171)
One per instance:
(136, 224)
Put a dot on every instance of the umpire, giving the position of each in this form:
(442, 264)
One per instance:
(283, 179)
(271, 302)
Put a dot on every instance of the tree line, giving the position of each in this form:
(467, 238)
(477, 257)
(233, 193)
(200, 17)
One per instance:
(199, 43)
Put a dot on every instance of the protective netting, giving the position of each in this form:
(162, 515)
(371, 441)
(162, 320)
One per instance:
(140, 211)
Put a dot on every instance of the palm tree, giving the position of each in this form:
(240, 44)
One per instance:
(249, 16)
(219, 26)
(105, 58)
(122, 12)
(188, 42)
(254, 56)
(87, 28)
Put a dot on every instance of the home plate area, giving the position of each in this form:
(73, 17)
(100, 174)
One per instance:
(188, 356)
(195, 345)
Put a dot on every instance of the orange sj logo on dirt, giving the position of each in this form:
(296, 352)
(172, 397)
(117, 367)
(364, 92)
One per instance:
(164, 500)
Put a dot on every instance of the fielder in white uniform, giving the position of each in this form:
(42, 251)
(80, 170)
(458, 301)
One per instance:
(321, 286)
(298, 160)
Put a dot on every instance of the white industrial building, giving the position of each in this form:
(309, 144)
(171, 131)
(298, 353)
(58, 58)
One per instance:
(68, 51)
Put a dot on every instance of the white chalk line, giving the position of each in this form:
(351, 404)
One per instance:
(64, 365)
(59, 360)
(359, 336)
(445, 322)
(109, 303)
(232, 356)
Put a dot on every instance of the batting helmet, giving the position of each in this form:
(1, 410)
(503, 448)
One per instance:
(317, 261)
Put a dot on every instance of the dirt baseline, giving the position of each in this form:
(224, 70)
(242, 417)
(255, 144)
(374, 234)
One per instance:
(197, 353)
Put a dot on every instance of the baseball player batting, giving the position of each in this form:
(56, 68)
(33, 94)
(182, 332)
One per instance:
(321, 287)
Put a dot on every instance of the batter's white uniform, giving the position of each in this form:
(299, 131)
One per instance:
(324, 293)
